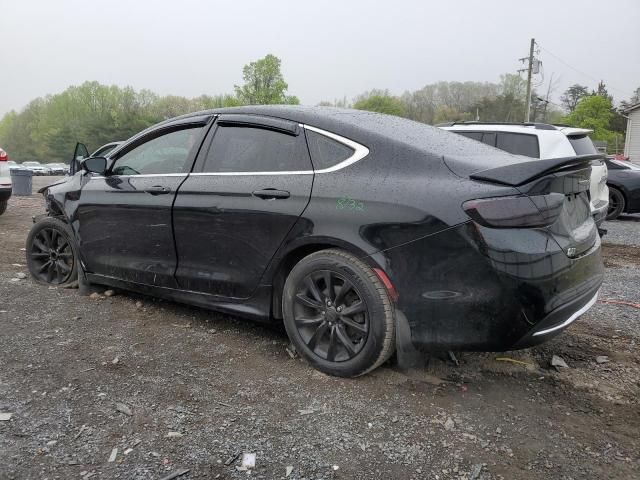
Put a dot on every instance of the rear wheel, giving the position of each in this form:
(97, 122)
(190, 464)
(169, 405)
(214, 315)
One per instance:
(616, 203)
(3, 206)
(338, 314)
(51, 253)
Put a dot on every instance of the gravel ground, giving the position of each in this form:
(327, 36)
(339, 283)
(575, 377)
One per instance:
(624, 230)
(173, 387)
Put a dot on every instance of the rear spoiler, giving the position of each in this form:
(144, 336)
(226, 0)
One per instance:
(517, 174)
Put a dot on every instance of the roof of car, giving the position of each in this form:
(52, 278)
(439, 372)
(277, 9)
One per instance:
(368, 128)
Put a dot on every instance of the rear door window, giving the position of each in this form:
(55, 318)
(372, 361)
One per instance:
(518, 144)
(582, 144)
(255, 149)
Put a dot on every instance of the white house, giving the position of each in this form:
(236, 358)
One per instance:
(632, 142)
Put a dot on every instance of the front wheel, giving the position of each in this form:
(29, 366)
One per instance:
(51, 253)
(338, 314)
(616, 203)
(3, 206)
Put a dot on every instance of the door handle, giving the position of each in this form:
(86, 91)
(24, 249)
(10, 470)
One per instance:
(271, 194)
(157, 190)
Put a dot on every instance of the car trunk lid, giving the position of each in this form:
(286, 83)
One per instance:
(573, 228)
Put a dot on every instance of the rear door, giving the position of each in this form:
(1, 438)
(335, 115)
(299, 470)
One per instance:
(251, 183)
(124, 217)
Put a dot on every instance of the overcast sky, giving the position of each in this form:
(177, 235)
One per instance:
(329, 49)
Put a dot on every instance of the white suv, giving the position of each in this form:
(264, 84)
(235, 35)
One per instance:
(5, 181)
(541, 140)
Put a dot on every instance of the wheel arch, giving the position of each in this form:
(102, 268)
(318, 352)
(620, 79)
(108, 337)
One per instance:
(625, 194)
(56, 210)
(285, 261)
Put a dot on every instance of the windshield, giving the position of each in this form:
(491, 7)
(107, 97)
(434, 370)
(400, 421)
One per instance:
(582, 144)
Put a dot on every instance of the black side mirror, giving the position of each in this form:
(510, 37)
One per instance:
(95, 165)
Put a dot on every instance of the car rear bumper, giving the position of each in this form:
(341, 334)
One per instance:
(472, 288)
(558, 320)
(599, 211)
(5, 193)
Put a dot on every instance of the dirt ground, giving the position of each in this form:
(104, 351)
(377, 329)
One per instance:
(173, 387)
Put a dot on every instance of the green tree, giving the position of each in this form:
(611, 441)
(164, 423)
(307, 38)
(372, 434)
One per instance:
(572, 96)
(382, 104)
(602, 91)
(593, 112)
(264, 83)
(448, 114)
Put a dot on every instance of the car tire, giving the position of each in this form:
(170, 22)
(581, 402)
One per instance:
(52, 254)
(616, 203)
(3, 206)
(338, 314)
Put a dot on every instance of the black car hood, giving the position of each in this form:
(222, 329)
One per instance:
(59, 182)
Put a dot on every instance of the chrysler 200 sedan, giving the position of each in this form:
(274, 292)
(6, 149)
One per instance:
(352, 228)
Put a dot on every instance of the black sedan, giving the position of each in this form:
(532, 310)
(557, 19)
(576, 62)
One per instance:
(360, 231)
(623, 181)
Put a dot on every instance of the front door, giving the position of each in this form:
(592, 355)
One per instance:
(249, 187)
(124, 217)
(79, 154)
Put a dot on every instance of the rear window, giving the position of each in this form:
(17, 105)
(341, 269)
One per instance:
(518, 144)
(472, 135)
(582, 144)
(325, 151)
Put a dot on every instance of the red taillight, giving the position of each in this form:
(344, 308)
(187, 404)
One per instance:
(3, 156)
(387, 284)
(515, 212)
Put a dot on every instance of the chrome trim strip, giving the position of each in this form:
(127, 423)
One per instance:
(571, 319)
(222, 174)
(145, 175)
(359, 152)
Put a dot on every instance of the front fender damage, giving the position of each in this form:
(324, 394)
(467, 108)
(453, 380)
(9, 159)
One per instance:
(62, 198)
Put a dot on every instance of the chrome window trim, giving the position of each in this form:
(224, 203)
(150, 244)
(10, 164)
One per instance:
(359, 152)
(571, 319)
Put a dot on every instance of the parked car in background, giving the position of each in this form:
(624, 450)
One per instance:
(36, 167)
(12, 165)
(5, 181)
(624, 187)
(57, 168)
(81, 152)
(357, 230)
(544, 141)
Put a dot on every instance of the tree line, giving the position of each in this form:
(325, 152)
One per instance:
(504, 102)
(48, 127)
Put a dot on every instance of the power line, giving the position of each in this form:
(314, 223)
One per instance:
(581, 72)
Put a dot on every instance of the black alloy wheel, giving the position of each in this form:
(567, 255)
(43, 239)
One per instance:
(331, 316)
(51, 254)
(338, 313)
(616, 203)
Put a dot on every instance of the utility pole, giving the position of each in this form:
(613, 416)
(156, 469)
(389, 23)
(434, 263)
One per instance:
(529, 72)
